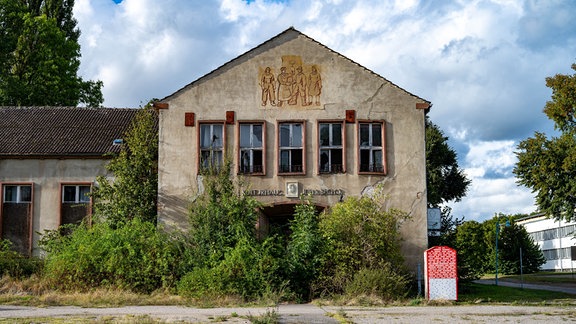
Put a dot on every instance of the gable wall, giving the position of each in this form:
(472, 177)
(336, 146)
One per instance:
(345, 86)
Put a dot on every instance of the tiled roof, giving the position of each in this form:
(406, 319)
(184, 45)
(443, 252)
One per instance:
(61, 131)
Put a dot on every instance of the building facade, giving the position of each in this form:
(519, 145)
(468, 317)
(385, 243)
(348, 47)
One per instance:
(295, 117)
(49, 160)
(555, 239)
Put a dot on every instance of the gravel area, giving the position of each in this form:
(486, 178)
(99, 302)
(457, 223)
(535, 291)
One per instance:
(305, 313)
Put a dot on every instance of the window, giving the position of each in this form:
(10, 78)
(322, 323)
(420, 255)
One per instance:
(251, 148)
(17, 193)
(211, 145)
(371, 155)
(76, 206)
(76, 194)
(330, 142)
(291, 147)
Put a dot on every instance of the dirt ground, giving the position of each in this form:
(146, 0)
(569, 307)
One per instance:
(306, 313)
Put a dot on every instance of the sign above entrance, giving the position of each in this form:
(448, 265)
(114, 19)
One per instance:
(312, 192)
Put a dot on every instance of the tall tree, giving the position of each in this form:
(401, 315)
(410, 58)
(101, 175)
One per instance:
(445, 181)
(473, 248)
(134, 191)
(548, 165)
(518, 249)
(40, 56)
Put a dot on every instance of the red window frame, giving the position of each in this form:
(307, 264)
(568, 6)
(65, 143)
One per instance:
(253, 171)
(363, 149)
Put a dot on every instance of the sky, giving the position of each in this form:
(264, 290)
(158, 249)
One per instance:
(482, 63)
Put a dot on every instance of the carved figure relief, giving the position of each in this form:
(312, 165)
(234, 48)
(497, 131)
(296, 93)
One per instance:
(297, 84)
(267, 83)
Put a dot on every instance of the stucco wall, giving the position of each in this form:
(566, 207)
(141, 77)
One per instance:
(47, 175)
(345, 86)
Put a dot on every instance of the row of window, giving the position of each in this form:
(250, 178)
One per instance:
(557, 254)
(291, 144)
(23, 193)
(553, 233)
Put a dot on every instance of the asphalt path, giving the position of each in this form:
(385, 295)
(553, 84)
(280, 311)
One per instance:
(566, 288)
(302, 313)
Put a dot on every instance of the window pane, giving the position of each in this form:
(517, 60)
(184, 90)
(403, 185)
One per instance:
(336, 156)
(364, 134)
(10, 193)
(257, 161)
(376, 135)
(284, 160)
(205, 137)
(205, 159)
(324, 161)
(217, 158)
(364, 160)
(257, 136)
(69, 193)
(324, 135)
(336, 134)
(245, 135)
(84, 194)
(25, 193)
(284, 135)
(297, 158)
(377, 160)
(245, 161)
(217, 137)
(296, 135)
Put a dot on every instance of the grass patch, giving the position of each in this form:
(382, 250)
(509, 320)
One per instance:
(341, 317)
(478, 293)
(539, 277)
(271, 316)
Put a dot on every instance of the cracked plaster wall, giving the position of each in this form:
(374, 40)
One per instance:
(345, 86)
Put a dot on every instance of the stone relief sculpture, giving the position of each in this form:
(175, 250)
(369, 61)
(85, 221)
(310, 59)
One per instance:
(300, 87)
(285, 84)
(268, 87)
(296, 85)
(314, 87)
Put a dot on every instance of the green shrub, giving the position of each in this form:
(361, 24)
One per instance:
(200, 282)
(248, 270)
(383, 282)
(135, 256)
(304, 250)
(360, 234)
(15, 264)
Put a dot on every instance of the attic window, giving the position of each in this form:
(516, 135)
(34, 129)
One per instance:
(117, 141)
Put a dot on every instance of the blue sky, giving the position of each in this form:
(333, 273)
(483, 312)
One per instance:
(482, 63)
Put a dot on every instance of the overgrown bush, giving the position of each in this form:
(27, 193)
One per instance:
(134, 256)
(359, 234)
(384, 282)
(15, 264)
(304, 250)
(227, 258)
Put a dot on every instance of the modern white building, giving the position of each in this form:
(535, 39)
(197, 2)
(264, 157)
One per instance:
(555, 238)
